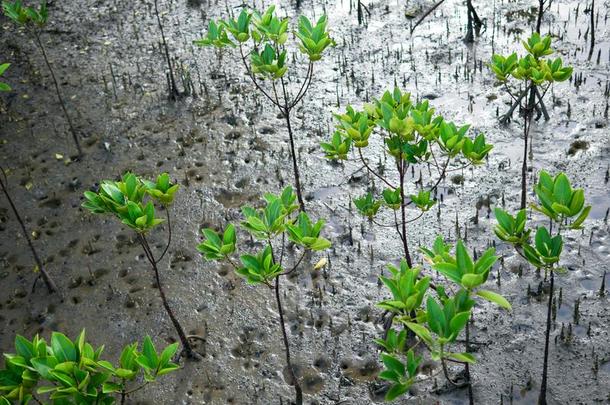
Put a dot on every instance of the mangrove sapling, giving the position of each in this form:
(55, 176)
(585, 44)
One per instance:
(262, 43)
(536, 74)
(565, 208)
(73, 372)
(34, 20)
(4, 86)
(273, 225)
(414, 138)
(127, 200)
(439, 324)
(51, 286)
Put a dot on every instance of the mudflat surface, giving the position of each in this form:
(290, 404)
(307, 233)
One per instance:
(226, 147)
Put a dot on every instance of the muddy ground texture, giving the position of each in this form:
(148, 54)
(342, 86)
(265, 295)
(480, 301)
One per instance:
(226, 148)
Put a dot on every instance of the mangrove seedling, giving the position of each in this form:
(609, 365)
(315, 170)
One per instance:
(414, 138)
(408, 292)
(271, 226)
(131, 200)
(4, 86)
(51, 286)
(33, 20)
(74, 372)
(439, 324)
(469, 275)
(263, 49)
(565, 208)
(536, 74)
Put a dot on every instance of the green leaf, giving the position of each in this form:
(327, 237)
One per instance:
(396, 391)
(149, 351)
(63, 348)
(495, 298)
(463, 357)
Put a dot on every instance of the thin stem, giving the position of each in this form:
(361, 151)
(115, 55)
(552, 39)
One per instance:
(295, 265)
(51, 286)
(373, 172)
(426, 14)
(446, 373)
(293, 152)
(58, 92)
(526, 129)
(540, 14)
(467, 365)
(169, 234)
(403, 213)
(542, 397)
(253, 78)
(185, 343)
(174, 94)
(135, 389)
(304, 86)
(297, 386)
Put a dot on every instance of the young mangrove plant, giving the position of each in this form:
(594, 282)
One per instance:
(443, 319)
(271, 226)
(413, 137)
(51, 286)
(536, 74)
(34, 20)
(263, 49)
(565, 208)
(132, 200)
(4, 86)
(73, 372)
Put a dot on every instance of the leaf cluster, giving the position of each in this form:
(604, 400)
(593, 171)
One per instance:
(278, 218)
(127, 200)
(24, 15)
(560, 203)
(533, 66)
(267, 35)
(73, 372)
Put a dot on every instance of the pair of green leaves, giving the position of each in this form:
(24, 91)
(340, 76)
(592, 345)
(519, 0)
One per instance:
(510, 228)
(22, 15)
(215, 248)
(367, 205)
(75, 370)
(400, 374)
(338, 147)
(355, 126)
(559, 201)
(268, 63)
(126, 200)
(306, 234)
(4, 86)
(546, 250)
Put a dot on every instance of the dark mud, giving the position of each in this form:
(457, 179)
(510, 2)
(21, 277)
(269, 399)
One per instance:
(226, 148)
